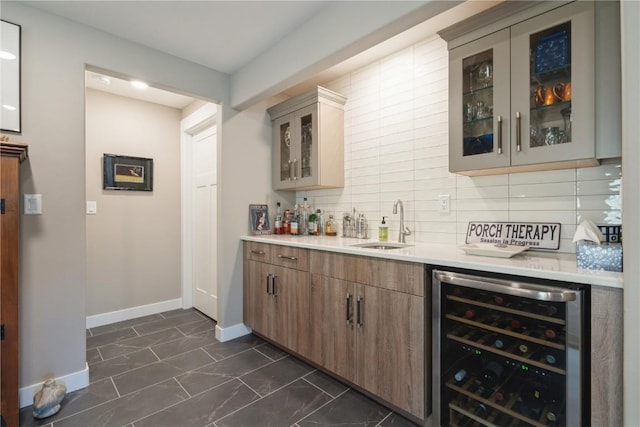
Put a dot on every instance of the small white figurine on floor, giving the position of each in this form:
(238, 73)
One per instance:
(46, 402)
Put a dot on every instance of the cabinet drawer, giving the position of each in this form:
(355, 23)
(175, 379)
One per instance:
(398, 276)
(296, 258)
(257, 251)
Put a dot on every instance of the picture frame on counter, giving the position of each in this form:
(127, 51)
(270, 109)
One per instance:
(127, 173)
(259, 222)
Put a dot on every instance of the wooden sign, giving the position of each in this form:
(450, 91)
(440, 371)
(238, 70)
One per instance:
(536, 235)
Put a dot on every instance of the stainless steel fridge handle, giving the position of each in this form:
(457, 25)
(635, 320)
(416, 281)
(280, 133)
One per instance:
(509, 287)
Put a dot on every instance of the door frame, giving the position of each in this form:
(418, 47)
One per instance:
(202, 118)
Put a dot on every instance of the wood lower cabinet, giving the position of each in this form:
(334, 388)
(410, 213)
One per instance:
(372, 335)
(12, 156)
(359, 318)
(276, 298)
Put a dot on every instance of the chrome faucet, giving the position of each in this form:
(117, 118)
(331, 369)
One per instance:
(404, 231)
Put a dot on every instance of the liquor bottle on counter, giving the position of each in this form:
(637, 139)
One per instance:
(303, 218)
(277, 225)
(331, 228)
(313, 224)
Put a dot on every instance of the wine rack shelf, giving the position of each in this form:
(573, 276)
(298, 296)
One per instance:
(490, 401)
(503, 331)
(549, 319)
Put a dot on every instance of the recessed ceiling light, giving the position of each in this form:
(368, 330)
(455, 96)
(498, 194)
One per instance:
(6, 55)
(138, 84)
(102, 79)
(9, 107)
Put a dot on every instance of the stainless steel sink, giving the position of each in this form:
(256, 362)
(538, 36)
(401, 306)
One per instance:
(381, 245)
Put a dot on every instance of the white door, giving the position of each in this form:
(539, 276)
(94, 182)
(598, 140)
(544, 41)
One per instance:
(204, 191)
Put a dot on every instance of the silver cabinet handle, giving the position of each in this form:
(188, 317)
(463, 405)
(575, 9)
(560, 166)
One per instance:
(258, 252)
(518, 131)
(509, 287)
(268, 284)
(359, 322)
(348, 304)
(290, 258)
(290, 169)
(274, 283)
(295, 169)
(499, 134)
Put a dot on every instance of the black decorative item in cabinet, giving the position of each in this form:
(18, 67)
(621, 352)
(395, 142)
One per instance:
(508, 352)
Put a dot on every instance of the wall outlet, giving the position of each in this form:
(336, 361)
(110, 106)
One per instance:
(443, 203)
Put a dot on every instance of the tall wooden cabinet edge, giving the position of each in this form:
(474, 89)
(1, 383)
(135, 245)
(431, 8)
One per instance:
(12, 154)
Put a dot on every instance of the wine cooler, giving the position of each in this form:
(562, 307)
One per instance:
(508, 352)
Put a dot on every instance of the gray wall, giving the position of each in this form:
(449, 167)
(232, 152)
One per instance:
(133, 243)
(55, 52)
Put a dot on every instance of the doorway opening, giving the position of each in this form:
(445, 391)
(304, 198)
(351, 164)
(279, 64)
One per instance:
(140, 258)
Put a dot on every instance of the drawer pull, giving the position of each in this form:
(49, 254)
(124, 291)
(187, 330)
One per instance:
(253, 251)
(359, 321)
(290, 258)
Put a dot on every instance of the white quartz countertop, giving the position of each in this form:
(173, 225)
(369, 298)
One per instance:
(543, 265)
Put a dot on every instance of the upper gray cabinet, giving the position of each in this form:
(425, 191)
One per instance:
(522, 95)
(308, 141)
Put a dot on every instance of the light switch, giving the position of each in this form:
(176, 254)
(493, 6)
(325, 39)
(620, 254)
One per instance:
(92, 207)
(33, 204)
(443, 203)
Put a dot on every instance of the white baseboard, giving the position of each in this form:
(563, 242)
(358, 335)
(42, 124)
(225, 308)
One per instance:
(231, 332)
(74, 381)
(132, 313)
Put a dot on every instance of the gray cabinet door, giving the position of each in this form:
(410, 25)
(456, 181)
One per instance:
(553, 86)
(479, 106)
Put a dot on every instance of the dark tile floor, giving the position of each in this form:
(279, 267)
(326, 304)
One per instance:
(169, 370)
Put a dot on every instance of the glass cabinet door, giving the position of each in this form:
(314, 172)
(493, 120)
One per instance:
(552, 62)
(306, 157)
(283, 150)
(479, 99)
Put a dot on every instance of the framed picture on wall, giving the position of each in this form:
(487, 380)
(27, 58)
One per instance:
(10, 119)
(127, 173)
(259, 219)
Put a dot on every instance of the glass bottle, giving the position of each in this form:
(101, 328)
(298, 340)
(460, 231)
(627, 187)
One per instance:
(331, 227)
(278, 221)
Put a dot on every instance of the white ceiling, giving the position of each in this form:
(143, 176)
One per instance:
(223, 35)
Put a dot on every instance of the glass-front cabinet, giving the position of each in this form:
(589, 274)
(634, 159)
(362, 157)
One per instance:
(295, 138)
(525, 95)
(308, 142)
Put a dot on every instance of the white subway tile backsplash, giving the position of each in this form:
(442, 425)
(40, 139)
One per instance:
(563, 217)
(482, 181)
(612, 202)
(603, 172)
(609, 217)
(558, 203)
(606, 187)
(396, 147)
(564, 175)
(497, 191)
(543, 189)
